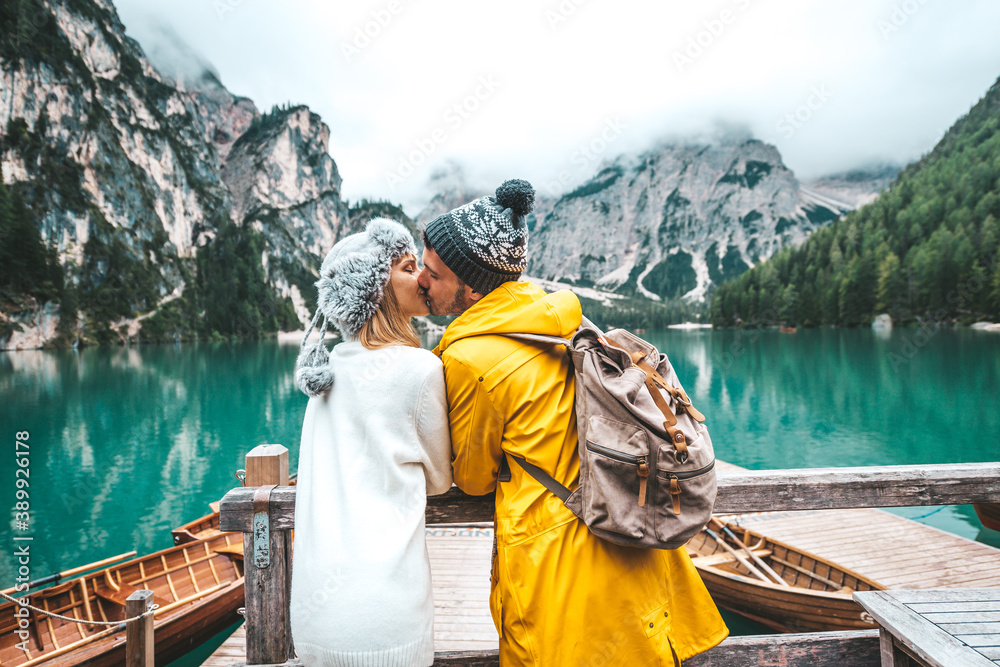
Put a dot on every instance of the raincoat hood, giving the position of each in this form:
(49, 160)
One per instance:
(516, 307)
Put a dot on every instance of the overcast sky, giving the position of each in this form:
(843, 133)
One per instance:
(546, 90)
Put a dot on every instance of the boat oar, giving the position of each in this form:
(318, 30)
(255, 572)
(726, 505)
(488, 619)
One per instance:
(57, 576)
(735, 554)
(756, 559)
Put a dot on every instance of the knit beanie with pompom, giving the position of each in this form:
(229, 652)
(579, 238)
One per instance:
(484, 242)
(351, 285)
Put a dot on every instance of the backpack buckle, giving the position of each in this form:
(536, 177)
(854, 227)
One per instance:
(503, 475)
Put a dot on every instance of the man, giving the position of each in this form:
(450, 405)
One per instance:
(560, 596)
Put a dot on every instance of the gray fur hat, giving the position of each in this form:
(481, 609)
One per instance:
(351, 284)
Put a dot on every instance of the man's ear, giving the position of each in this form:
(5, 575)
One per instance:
(473, 296)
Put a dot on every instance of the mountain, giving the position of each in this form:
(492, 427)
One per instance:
(856, 187)
(927, 250)
(165, 205)
(677, 220)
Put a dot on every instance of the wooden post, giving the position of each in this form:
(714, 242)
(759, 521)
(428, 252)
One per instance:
(139, 633)
(267, 464)
(268, 587)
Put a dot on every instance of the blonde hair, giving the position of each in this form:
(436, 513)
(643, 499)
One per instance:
(388, 326)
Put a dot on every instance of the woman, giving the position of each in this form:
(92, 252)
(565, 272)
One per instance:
(375, 442)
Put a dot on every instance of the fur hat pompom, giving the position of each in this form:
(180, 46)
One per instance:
(313, 374)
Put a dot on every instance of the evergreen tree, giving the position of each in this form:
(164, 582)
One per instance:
(995, 294)
(6, 238)
(28, 254)
(891, 283)
(925, 247)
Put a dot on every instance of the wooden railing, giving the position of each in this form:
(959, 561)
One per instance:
(268, 587)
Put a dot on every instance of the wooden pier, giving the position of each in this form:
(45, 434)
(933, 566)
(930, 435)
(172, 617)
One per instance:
(894, 551)
(462, 608)
(937, 628)
(460, 574)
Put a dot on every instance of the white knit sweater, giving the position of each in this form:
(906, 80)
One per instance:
(372, 448)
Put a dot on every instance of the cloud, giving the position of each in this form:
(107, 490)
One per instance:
(389, 76)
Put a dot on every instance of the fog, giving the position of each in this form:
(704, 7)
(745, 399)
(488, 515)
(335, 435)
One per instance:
(546, 91)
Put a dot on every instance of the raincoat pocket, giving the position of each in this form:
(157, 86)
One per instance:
(657, 620)
(618, 470)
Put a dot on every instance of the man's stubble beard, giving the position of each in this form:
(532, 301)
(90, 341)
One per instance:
(458, 305)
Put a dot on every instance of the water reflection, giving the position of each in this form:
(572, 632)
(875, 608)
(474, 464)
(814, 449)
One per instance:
(127, 443)
(841, 397)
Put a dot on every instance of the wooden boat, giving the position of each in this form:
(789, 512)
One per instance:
(817, 598)
(198, 587)
(208, 525)
(200, 528)
(789, 329)
(989, 514)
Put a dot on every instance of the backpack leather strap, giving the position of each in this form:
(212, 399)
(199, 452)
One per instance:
(670, 420)
(543, 478)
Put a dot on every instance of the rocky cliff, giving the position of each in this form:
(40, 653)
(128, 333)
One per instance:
(130, 172)
(675, 221)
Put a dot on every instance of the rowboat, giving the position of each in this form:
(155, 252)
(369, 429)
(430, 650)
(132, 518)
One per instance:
(815, 595)
(989, 514)
(200, 528)
(208, 525)
(198, 587)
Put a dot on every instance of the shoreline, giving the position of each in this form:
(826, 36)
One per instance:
(287, 337)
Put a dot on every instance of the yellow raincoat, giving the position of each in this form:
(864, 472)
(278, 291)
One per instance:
(560, 596)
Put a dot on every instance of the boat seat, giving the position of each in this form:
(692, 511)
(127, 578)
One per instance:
(719, 558)
(117, 597)
(235, 550)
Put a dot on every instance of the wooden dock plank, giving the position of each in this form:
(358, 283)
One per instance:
(889, 549)
(934, 645)
(460, 578)
(892, 550)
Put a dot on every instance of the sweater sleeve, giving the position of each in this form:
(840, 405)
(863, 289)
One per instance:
(433, 432)
(476, 430)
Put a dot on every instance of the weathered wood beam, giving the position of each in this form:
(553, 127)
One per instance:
(740, 491)
(139, 641)
(815, 649)
(467, 658)
(877, 486)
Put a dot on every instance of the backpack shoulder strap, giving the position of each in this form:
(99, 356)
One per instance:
(542, 477)
(537, 338)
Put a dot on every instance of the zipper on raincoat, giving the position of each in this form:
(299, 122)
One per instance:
(675, 487)
(640, 461)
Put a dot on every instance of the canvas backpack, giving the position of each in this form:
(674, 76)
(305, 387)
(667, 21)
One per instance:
(647, 468)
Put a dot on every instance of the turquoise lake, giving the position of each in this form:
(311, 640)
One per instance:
(127, 443)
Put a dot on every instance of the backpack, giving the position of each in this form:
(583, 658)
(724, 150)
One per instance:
(647, 467)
